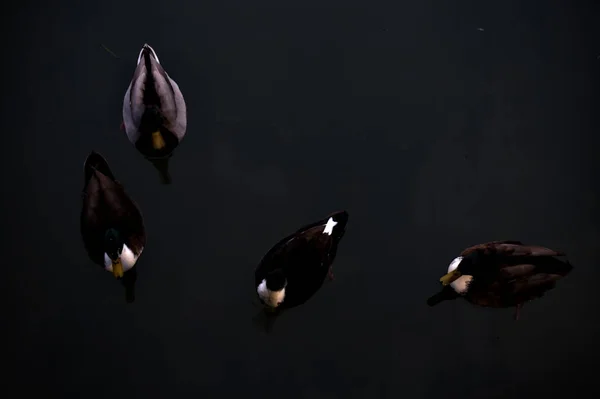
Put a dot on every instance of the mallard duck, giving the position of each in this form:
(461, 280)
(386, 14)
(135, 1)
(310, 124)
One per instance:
(501, 274)
(154, 111)
(112, 226)
(296, 267)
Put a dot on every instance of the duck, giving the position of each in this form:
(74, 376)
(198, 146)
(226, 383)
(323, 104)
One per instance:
(112, 226)
(154, 112)
(296, 267)
(502, 274)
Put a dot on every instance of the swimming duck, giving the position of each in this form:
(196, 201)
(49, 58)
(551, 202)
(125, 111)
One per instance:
(501, 274)
(296, 267)
(154, 112)
(112, 226)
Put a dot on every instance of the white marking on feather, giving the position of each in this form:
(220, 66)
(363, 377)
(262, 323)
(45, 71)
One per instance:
(329, 226)
(270, 298)
(461, 284)
(153, 53)
(128, 259)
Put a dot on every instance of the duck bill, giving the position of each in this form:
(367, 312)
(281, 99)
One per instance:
(450, 277)
(158, 142)
(117, 268)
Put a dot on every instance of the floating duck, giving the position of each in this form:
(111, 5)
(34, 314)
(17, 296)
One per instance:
(296, 267)
(154, 112)
(112, 226)
(501, 274)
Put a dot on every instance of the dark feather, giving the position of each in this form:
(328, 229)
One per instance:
(305, 258)
(509, 273)
(153, 102)
(96, 162)
(511, 248)
(107, 205)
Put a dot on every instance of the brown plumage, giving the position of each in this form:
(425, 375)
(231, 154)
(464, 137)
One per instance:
(106, 206)
(502, 274)
(295, 268)
(304, 258)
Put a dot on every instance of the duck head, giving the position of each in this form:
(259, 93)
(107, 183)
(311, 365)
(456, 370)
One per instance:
(271, 290)
(118, 258)
(460, 272)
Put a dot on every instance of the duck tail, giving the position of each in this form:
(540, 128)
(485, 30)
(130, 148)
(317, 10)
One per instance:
(341, 219)
(568, 267)
(95, 161)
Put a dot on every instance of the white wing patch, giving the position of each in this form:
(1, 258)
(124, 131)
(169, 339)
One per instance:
(329, 226)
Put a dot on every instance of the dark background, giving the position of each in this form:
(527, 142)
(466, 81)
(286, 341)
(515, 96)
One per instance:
(436, 124)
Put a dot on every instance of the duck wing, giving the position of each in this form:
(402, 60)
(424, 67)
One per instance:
(273, 259)
(487, 247)
(511, 248)
(307, 246)
(152, 86)
(105, 205)
(521, 278)
(508, 293)
(297, 258)
(325, 235)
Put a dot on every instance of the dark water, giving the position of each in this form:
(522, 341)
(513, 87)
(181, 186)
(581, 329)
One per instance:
(436, 124)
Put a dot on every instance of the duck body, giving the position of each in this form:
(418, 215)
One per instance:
(154, 111)
(112, 225)
(502, 274)
(296, 267)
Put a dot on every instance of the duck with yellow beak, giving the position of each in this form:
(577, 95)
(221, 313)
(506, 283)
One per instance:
(112, 226)
(295, 268)
(154, 112)
(502, 274)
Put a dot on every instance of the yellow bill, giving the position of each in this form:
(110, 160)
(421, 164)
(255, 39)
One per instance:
(158, 142)
(450, 277)
(117, 269)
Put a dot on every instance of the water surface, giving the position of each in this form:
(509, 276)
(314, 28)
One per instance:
(436, 124)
